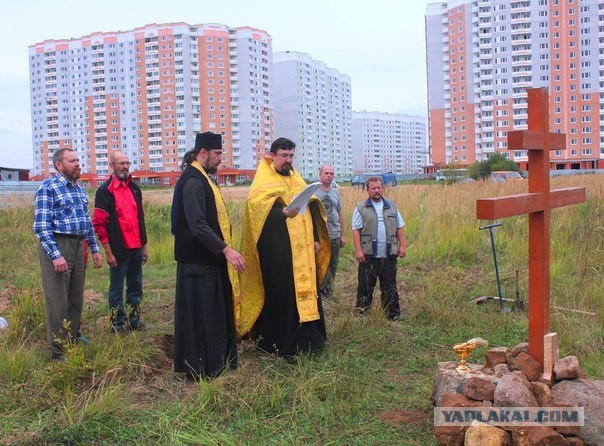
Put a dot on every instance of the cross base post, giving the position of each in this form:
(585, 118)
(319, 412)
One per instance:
(551, 354)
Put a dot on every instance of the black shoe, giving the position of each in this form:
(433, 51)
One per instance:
(359, 311)
(137, 325)
(394, 318)
(119, 330)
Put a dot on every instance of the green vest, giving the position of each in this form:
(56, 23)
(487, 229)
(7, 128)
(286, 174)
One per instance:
(369, 230)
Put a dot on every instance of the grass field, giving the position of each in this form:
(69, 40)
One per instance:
(370, 386)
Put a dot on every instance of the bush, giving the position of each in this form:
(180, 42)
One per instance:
(481, 170)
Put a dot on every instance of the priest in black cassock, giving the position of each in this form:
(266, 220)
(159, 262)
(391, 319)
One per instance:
(205, 342)
(287, 252)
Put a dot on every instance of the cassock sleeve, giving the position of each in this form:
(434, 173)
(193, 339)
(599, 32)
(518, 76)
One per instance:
(194, 204)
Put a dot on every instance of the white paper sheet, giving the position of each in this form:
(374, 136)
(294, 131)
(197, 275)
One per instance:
(302, 199)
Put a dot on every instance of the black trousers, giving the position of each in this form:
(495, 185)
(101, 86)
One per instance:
(369, 271)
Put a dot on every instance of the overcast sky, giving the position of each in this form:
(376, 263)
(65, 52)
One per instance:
(379, 44)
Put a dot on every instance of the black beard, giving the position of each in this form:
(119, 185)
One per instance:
(284, 172)
(211, 170)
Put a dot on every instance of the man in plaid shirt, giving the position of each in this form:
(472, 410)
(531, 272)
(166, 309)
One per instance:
(62, 224)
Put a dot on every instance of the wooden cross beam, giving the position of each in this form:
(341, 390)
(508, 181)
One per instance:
(538, 203)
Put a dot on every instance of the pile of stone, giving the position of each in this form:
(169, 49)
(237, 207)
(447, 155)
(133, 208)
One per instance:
(512, 378)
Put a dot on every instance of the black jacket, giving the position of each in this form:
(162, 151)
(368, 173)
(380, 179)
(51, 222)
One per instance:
(199, 239)
(105, 201)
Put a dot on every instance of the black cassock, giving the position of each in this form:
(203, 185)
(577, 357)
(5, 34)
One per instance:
(278, 329)
(204, 334)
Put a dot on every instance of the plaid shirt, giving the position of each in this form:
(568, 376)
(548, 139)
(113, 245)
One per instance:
(62, 207)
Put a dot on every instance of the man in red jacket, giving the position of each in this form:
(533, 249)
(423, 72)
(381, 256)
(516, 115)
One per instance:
(119, 222)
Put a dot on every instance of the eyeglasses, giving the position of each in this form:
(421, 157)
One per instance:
(286, 155)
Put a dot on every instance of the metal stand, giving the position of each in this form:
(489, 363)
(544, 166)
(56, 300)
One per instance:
(490, 228)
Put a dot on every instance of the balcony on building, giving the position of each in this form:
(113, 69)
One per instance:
(486, 63)
(153, 93)
(153, 75)
(519, 16)
(523, 39)
(484, 12)
(524, 81)
(486, 74)
(520, 28)
(154, 137)
(486, 32)
(486, 94)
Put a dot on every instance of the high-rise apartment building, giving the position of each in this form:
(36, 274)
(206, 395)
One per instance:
(147, 92)
(313, 107)
(385, 142)
(482, 56)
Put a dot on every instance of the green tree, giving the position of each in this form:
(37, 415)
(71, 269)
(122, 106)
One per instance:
(481, 170)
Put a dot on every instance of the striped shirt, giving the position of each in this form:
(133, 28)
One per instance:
(62, 207)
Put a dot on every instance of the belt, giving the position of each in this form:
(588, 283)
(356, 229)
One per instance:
(71, 236)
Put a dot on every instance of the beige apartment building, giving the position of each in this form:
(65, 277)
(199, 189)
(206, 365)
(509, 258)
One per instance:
(148, 91)
(483, 55)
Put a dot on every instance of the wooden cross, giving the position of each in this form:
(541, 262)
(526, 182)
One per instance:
(538, 204)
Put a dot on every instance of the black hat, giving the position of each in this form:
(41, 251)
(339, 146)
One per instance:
(208, 141)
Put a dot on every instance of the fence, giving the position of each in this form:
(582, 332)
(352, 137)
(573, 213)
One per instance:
(17, 193)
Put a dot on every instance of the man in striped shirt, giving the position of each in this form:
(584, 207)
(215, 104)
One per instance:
(62, 224)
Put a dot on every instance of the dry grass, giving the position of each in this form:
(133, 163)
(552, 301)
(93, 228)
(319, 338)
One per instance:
(164, 196)
(372, 383)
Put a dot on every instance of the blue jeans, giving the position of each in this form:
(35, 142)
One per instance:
(129, 270)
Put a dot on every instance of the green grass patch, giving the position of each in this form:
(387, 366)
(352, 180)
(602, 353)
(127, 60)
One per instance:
(121, 390)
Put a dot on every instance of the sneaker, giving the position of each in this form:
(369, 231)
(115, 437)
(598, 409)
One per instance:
(82, 339)
(394, 318)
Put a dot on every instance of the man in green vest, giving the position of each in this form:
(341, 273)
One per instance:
(379, 239)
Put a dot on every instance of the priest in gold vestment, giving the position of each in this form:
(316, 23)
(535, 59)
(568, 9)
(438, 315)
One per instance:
(286, 254)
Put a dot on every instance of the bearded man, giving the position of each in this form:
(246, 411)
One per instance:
(207, 282)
